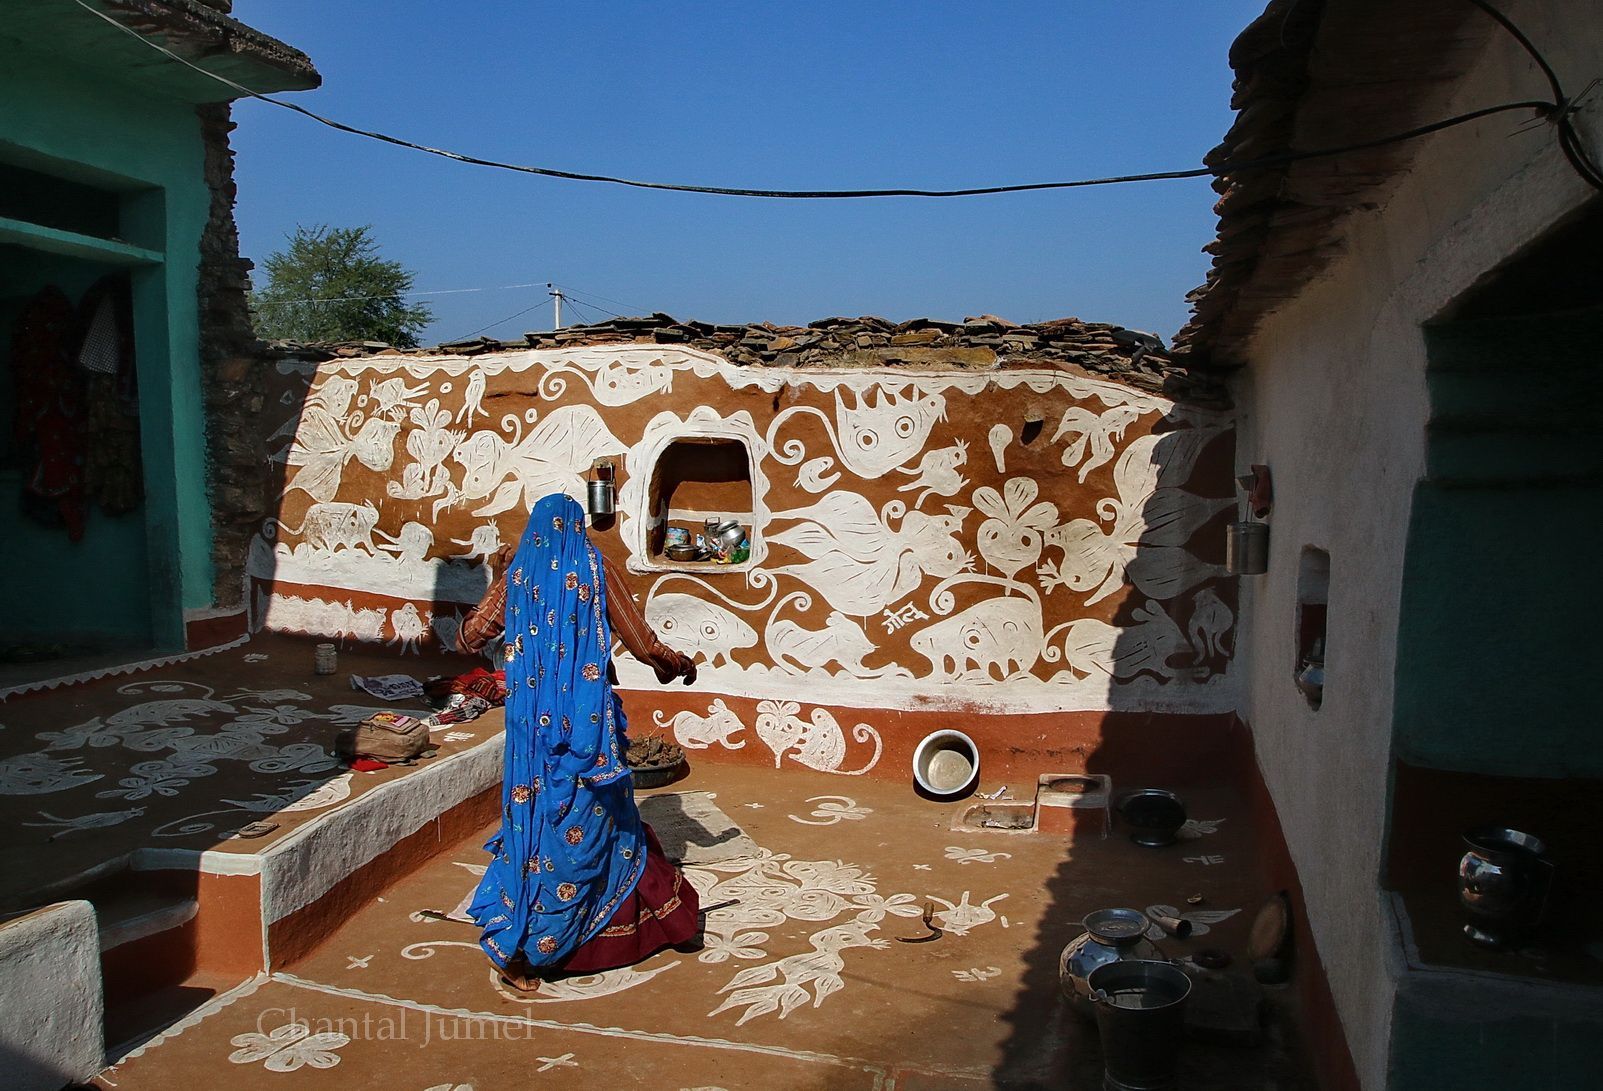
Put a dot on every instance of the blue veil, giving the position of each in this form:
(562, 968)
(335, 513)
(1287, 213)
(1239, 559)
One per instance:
(570, 848)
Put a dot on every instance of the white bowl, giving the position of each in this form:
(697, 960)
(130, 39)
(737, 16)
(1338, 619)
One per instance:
(946, 763)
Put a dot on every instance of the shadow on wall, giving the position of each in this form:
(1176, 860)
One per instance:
(1048, 1045)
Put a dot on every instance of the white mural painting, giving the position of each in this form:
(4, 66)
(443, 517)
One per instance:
(880, 573)
(860, 563)
(1149, 524)
(937, 473)
(718, 728)
(994, 640)
(552, 456)
(882, 430)
(816, 742)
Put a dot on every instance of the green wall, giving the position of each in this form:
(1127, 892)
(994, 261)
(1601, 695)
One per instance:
(77, 122)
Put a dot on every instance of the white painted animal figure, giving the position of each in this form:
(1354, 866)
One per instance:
(64, 826)
(857, 563)
(718, 728)
(550, 457)
(482, 543)
(816, 742)
(619, 382)
(698, 627)
(411, 545)
(1210, 625)
(1148, 645)
(993, 640)
(885, 429)
(364, 624)
(409, 626)
(331, 525)
(841, 641)
(937, 473)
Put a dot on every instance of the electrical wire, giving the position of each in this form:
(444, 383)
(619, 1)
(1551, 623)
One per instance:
(497, 322)
(391, 295)
(567, 293)
(1559, 112)
(636, 308)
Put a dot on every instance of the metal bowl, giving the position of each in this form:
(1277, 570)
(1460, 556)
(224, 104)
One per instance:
(1153, 815)
(682, 553)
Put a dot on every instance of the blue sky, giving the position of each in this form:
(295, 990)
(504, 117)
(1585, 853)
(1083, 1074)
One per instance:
(821, 94)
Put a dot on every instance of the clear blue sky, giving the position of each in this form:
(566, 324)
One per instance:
(822, 94)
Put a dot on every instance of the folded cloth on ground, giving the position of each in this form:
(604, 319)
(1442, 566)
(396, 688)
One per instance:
(460, 708)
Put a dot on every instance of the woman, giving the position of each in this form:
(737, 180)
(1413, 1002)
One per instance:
(577, 883)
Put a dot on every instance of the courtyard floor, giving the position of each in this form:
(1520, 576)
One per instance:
(803, 982)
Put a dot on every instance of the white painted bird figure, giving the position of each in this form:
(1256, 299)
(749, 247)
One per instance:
(64, 826)
(472, 399)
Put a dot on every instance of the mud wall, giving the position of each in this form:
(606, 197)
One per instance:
(1015, 540)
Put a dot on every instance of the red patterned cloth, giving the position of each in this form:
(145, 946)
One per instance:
(478, 682)
(48, 430)
(663, 911)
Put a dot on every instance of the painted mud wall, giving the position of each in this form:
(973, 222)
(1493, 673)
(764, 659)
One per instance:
(918, 544)
(1335, 400)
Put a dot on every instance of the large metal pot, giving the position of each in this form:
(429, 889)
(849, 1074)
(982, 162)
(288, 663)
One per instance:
(1111, 935)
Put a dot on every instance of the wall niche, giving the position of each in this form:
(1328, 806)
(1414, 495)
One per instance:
(695, 479)
(1313, 607)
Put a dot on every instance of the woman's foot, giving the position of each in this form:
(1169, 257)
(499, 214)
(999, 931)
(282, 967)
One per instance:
(520, 978)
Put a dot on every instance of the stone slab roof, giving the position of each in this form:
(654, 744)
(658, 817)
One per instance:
(980, 343)
(1316, 74)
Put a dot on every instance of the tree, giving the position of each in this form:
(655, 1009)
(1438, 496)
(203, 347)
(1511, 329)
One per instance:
(330, 284)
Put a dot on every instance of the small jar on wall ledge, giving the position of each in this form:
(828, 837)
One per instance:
(1311, 675)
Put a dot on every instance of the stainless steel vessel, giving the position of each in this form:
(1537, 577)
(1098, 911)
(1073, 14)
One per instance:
(1503, 884)
(1111, 935)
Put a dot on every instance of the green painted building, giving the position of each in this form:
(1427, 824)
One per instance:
(116, 183)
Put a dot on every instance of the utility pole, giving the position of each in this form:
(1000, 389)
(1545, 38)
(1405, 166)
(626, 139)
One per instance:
(556, 295)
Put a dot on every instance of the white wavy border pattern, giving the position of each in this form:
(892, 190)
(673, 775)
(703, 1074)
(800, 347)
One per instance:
(121, 668)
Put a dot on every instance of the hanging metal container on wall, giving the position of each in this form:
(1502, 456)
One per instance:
(1247, 549)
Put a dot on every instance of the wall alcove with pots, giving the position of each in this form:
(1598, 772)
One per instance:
(1313, 607)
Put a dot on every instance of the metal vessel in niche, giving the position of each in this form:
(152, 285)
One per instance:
(1503, 884)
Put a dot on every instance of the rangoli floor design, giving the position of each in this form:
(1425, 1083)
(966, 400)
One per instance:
(183, 756)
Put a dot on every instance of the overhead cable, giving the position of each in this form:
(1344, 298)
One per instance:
(1556, 111)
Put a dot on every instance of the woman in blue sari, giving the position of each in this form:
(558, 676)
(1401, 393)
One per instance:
(577, 882)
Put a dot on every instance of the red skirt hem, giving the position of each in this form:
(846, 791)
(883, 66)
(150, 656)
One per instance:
(663, 911)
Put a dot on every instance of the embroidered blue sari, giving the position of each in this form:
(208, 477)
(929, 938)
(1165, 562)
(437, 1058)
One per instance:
(571, 847)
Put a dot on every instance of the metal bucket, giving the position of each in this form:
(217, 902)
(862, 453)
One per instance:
(1141, 1019)
(602, 498)
(1247, 549)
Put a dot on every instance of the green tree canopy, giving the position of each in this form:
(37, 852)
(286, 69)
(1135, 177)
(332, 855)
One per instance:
(330, 284)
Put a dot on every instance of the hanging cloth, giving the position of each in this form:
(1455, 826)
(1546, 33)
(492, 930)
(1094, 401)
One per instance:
(48, 432)
(113, 475)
